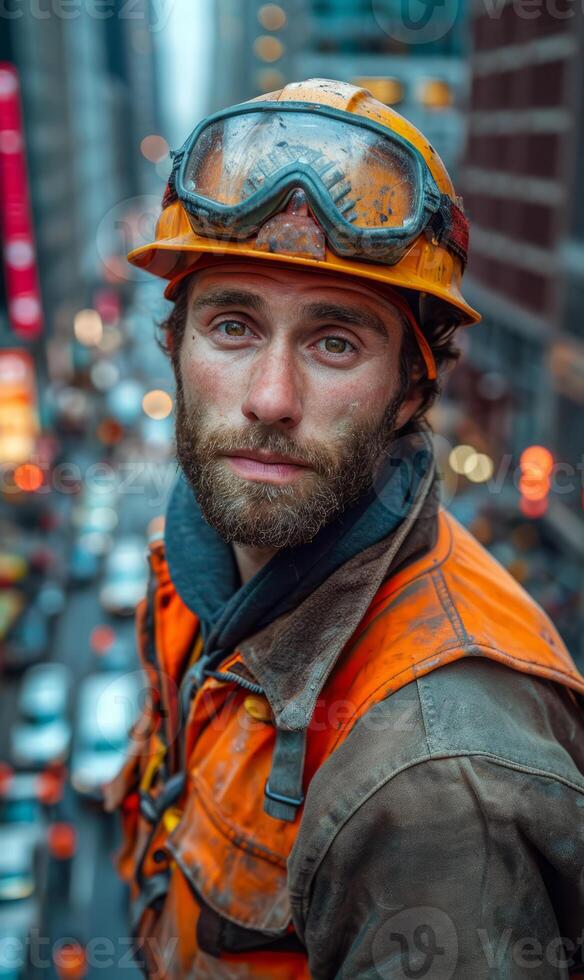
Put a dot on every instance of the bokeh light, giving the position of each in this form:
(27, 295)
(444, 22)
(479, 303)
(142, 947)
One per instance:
(154, 148)
(28, 477)
(478, 467)
(458, 457)
(272, 16)
(435, 93)
(268, 48)
(388, 90)
(88, 327)
(157, 404)
(270, 80)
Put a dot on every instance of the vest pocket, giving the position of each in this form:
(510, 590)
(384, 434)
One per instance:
(233, 874)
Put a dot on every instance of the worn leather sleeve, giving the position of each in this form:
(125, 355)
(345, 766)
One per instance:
(458, 867)
(447, 841)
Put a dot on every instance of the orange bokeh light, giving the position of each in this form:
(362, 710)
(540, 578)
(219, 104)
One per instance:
(534, 487)
(537, 458)
(70, 961)
(101, 638)
(533, 508)
(62, 841)
(49, 786)
(154, 148)
(28, 477)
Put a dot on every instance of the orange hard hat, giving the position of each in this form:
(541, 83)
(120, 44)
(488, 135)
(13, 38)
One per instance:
(431, 265)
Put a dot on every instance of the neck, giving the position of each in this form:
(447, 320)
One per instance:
(250, 560)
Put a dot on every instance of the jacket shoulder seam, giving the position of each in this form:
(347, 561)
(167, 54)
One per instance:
(307, 874)
(449, 606)
(425, 572)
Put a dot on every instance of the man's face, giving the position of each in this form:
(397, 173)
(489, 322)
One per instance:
(288, 393)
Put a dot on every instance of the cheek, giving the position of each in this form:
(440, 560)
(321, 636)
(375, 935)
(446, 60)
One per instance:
(206, 382)
(352, 396)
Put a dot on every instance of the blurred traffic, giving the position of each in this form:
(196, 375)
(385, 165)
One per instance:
(89, 107)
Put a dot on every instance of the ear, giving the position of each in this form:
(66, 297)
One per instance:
(412, 400)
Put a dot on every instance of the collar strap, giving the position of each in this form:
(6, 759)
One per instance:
(425, 350)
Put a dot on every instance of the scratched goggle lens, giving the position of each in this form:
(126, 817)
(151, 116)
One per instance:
(371, 180)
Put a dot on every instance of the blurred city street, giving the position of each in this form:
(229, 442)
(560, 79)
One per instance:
(90, 107)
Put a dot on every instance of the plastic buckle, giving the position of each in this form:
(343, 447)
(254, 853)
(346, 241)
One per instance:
(280, 798)
(148, 808)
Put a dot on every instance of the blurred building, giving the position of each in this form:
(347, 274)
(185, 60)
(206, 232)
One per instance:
(522, 189)
(89, 96)
(419, 70)
(256, 46)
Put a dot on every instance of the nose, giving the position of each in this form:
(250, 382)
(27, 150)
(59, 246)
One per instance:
(273, 395)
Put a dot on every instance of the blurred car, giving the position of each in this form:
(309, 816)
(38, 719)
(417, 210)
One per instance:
(94, 518)
(51, 598)
(112, 650)
(43, 735)
(27, 640)
(23, 869)
(107, 707)
(12, 604)
(125, 577)
(13, 568)
(84, 559)
(20, 803)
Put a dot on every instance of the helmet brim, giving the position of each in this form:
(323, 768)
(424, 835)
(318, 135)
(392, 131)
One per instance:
(173, 259)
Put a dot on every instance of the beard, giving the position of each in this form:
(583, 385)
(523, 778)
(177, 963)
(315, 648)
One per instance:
(265, 515)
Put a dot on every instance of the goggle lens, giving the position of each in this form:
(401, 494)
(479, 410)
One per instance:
(371, 180)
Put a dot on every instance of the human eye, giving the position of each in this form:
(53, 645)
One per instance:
(335, 346)
(230, 329)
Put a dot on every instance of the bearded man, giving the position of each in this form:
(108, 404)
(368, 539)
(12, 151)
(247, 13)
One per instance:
(362, 755)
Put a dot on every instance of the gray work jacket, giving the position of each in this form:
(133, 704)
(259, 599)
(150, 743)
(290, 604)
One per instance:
(460, 852)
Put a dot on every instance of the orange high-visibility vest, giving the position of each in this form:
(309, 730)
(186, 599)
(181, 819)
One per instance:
(212, 863)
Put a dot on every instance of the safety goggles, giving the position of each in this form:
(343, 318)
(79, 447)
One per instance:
(370, 189)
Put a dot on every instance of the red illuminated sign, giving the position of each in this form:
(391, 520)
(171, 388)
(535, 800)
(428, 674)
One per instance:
(20, 269)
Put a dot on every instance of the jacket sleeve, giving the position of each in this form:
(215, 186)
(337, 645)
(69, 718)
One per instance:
(456, 867)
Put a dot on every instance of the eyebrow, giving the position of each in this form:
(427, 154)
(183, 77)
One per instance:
(221, 298)
(347, 315)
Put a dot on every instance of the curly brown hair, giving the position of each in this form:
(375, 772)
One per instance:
(439, 330)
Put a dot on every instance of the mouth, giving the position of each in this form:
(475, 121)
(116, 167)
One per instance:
(265, 467)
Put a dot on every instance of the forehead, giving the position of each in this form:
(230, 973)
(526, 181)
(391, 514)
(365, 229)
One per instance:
(276, 283)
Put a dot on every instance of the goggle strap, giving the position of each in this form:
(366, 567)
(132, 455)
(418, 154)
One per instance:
(450, 228)
(170, 195)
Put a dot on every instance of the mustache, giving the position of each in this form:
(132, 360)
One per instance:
(221, 441)
(269, 440)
